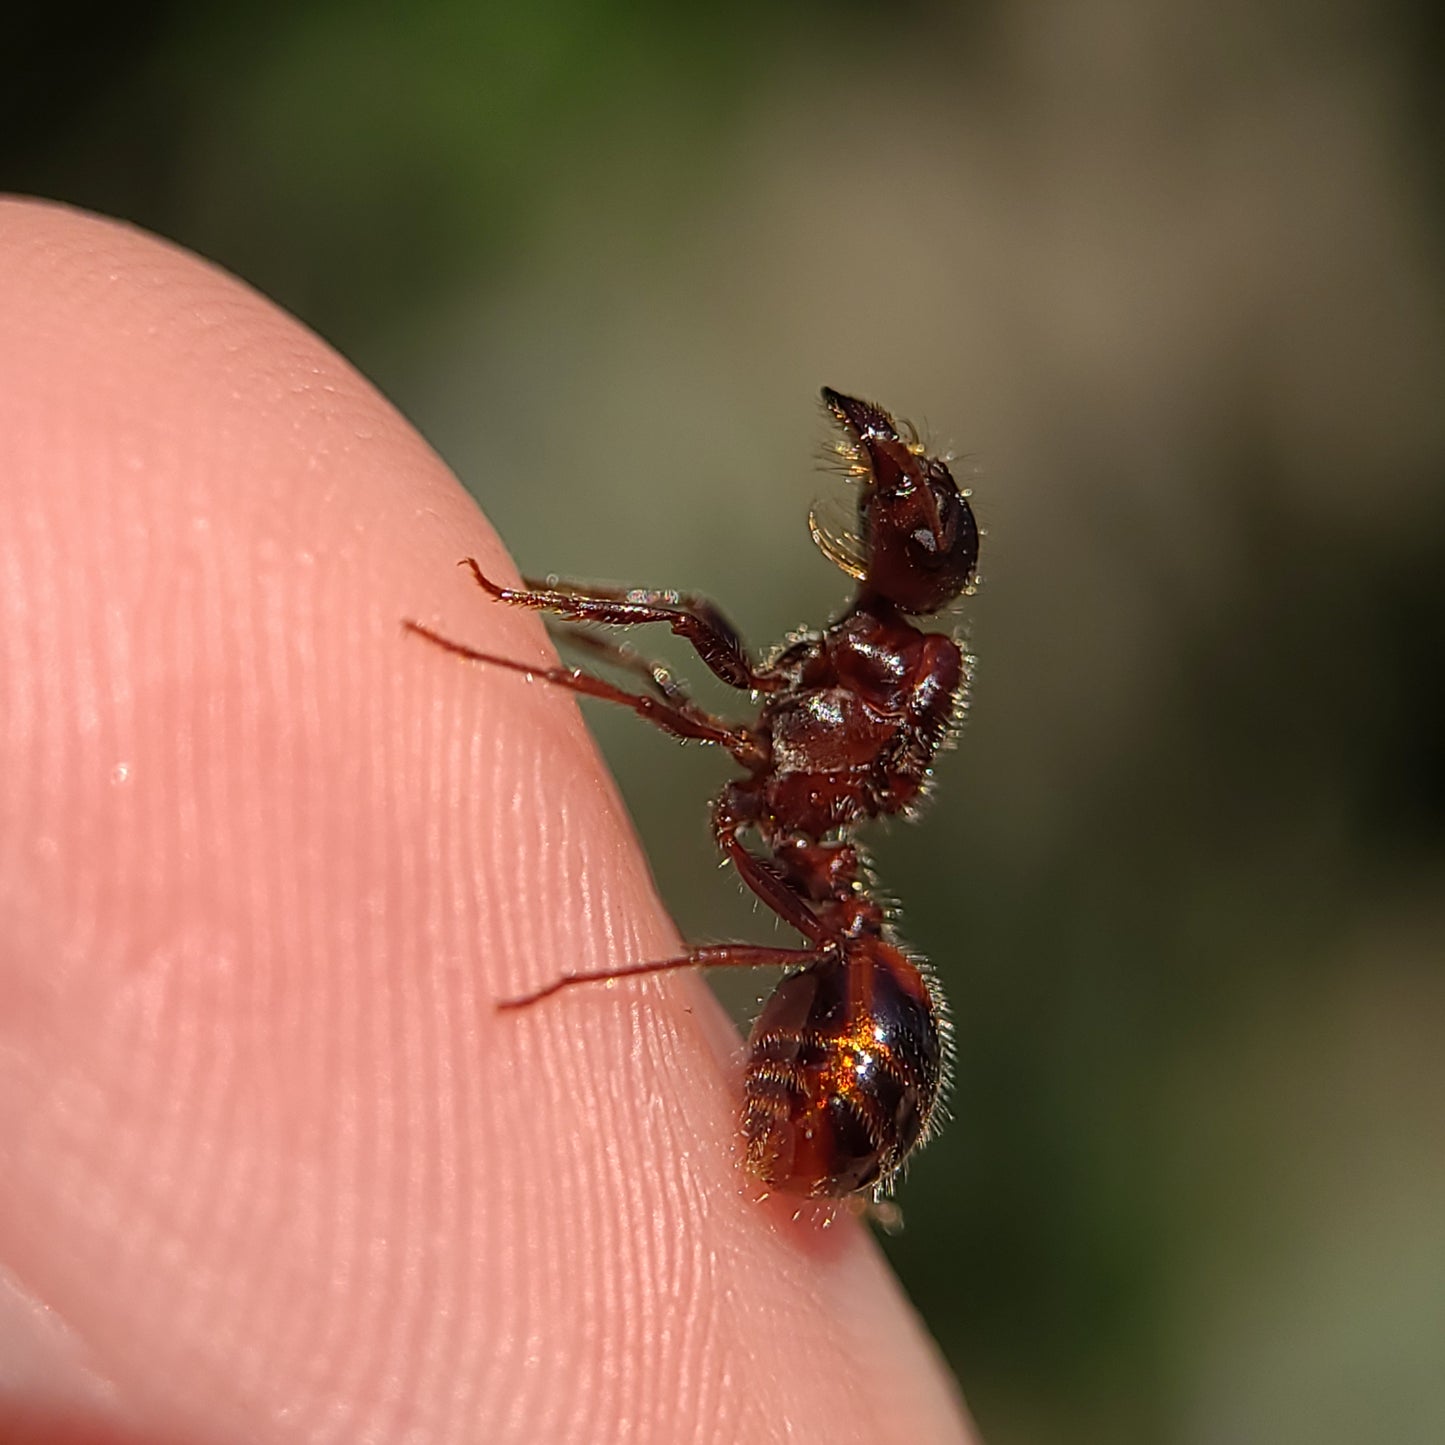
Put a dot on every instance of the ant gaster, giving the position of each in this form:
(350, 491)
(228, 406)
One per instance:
(847, 1059)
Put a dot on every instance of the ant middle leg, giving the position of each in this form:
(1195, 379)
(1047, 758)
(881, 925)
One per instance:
(627, 659)
(682, 719)
(694, 619)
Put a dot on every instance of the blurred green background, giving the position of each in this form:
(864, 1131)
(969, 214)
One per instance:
(1168, 278)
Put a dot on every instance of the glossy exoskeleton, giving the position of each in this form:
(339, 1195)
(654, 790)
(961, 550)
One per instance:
(848, 1056)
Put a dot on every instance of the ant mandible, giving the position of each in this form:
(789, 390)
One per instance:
(848, 1057)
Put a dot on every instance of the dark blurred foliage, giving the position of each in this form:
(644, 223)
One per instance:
(406, 144)
(1174, 276)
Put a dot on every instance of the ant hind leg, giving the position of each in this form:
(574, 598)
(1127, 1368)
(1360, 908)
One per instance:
(720, 955)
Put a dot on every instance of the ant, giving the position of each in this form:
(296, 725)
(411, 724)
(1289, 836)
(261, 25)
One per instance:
(848, 1058)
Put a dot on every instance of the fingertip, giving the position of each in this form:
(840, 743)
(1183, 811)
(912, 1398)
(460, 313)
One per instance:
(271, 861)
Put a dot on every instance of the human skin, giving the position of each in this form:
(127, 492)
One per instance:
(274, 1167)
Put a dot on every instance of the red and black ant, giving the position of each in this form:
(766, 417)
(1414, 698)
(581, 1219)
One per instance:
(848, 1057)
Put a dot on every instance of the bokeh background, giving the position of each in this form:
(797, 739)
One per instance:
(1167, 278)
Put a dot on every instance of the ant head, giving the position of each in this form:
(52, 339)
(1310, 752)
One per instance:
(919, 537)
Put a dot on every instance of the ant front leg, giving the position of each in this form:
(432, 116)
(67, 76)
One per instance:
(694, 619)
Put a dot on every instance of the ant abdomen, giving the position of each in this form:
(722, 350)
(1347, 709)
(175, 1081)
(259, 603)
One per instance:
(844, 1066)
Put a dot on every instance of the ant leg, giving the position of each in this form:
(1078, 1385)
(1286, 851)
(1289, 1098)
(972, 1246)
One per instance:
(717, 955)
(681, 719)
(618, 654)
(695, 619)
(762, 877)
